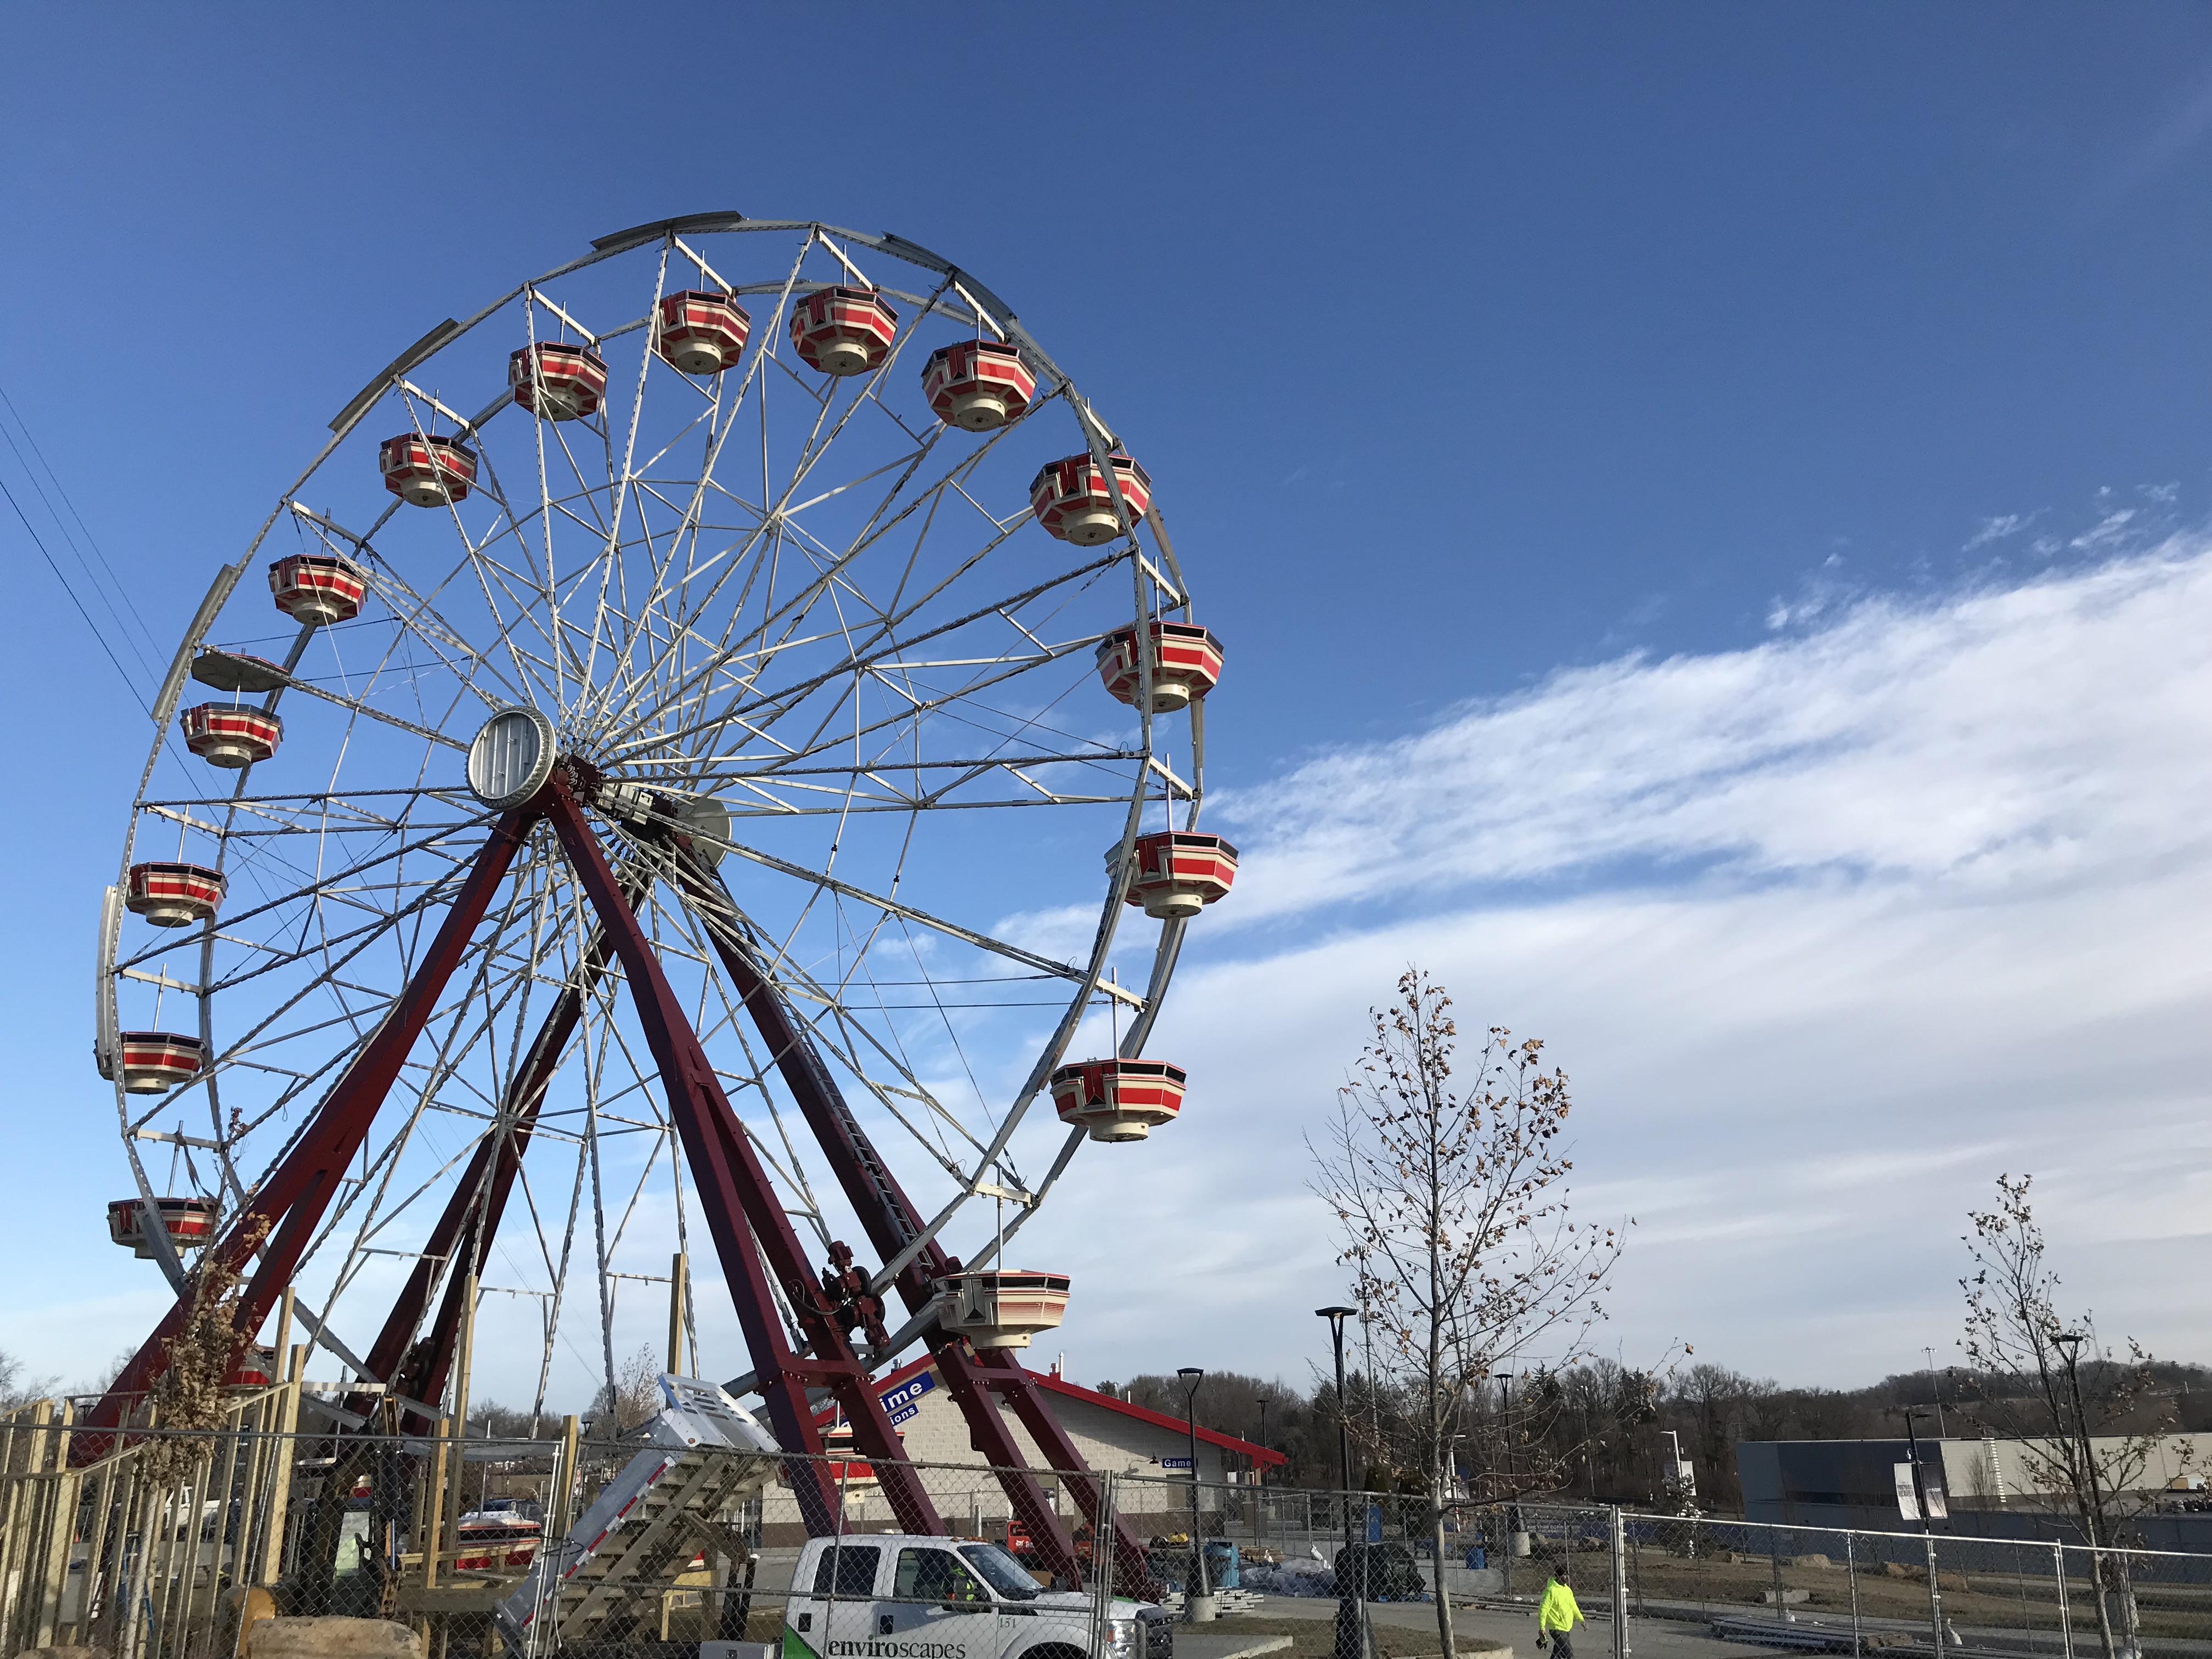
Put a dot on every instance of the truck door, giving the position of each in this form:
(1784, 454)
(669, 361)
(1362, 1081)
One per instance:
(832, 1617)
(936, 1600)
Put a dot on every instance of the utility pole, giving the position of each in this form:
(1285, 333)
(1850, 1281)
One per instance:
(1260, 1471)
(1348, 1597)
(1197, 1603)
(1936, 1388)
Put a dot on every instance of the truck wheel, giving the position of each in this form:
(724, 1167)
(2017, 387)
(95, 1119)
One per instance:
(1052, 1650)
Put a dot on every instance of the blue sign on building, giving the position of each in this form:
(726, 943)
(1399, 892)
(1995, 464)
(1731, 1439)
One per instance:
(1175, 1462)
(905, 1401)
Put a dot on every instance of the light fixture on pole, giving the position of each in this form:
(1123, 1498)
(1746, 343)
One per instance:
(1197, 1604)
(1348, 1594)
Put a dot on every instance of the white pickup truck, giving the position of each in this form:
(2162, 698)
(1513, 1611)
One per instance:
(865, 1595)
(905, 1595)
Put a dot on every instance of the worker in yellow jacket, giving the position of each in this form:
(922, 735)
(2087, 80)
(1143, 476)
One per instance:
(1557, 1614)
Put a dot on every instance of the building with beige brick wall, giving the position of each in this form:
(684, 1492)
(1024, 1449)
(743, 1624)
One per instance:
(1113, 1436)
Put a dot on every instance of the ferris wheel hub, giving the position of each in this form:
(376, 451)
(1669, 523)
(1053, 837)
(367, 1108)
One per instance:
(511, 757)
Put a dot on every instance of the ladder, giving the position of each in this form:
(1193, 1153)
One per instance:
(703, 1453)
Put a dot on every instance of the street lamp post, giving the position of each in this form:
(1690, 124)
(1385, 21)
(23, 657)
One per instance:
(1927, 1533)
(2092, 1501)
(1936, 1388)
(1197, 1604)
(1259, 1472)
(1348, 1595)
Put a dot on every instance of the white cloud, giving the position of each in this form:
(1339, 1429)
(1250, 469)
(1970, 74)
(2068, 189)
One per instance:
(1997, 528)
(1828, 932)
(2006, 735)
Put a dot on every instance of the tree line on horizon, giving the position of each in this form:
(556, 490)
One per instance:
(1601, 1428)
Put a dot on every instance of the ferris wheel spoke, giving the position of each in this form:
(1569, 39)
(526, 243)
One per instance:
(796, 605)
(437, 631)
(447, 1055)
(435, 841)
(780, 701)
(261, 1038)
(788, 1169)
(707, 772)
(714, 910)
(831, 884)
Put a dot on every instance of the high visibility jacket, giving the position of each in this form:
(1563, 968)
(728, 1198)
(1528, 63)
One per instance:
(1558, 1610)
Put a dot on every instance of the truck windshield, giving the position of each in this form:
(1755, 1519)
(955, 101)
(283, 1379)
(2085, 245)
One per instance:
(1001, 1572)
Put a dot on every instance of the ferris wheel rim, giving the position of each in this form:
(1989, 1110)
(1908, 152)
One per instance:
(985, 307)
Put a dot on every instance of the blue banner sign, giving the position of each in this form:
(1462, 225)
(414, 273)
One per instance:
(1175, 1462)
(905, 1401)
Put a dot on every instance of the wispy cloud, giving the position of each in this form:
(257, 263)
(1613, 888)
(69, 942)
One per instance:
(1998, 736)
(2105, 533)
(1996, 529)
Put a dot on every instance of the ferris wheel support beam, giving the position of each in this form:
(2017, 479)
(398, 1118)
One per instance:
(892, 1223)
(746, 1215)
(294, 1198)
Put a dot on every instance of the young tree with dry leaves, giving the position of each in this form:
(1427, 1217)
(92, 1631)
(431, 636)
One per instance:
(1452, 1202)
(2087, 1432)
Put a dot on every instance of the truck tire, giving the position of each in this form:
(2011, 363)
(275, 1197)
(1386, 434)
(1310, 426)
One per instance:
(1052, 1650)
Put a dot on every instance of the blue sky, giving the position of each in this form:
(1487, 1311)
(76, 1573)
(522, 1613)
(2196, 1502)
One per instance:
(1490, 360)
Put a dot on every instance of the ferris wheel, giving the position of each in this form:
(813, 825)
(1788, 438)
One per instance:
(719, 753)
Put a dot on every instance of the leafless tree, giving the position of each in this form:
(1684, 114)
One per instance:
(1453, 1209)
(2088, 1439)
(16, 1390)
(635, 1397)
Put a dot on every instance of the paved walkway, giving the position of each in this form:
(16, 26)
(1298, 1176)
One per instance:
(1648, 1639)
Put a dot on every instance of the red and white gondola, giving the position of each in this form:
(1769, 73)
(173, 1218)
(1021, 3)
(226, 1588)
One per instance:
(1186, 664)
(843, 330)
(318, 588)
(1003, 1308)
(425, 469)
(153, 1062)
(1177, 872)
(173, 894)
(977, 386)
(1118, 1099)
(558, 382)
(189, 1223)
(230, 734)
(701, 333)
(1073, 501)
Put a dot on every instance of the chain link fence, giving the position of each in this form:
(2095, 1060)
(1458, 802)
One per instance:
(171, 1546)
(1835, 1590)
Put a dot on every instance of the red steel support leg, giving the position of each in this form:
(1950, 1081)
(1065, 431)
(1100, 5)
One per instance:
(293, 1200)
(889, 1215)
(752, 1235)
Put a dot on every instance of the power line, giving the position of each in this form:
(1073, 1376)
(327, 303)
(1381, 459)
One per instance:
(121, 672)
(105, 580)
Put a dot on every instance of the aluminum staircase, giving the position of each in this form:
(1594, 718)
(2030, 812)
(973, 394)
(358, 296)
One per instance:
(704, 1452)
